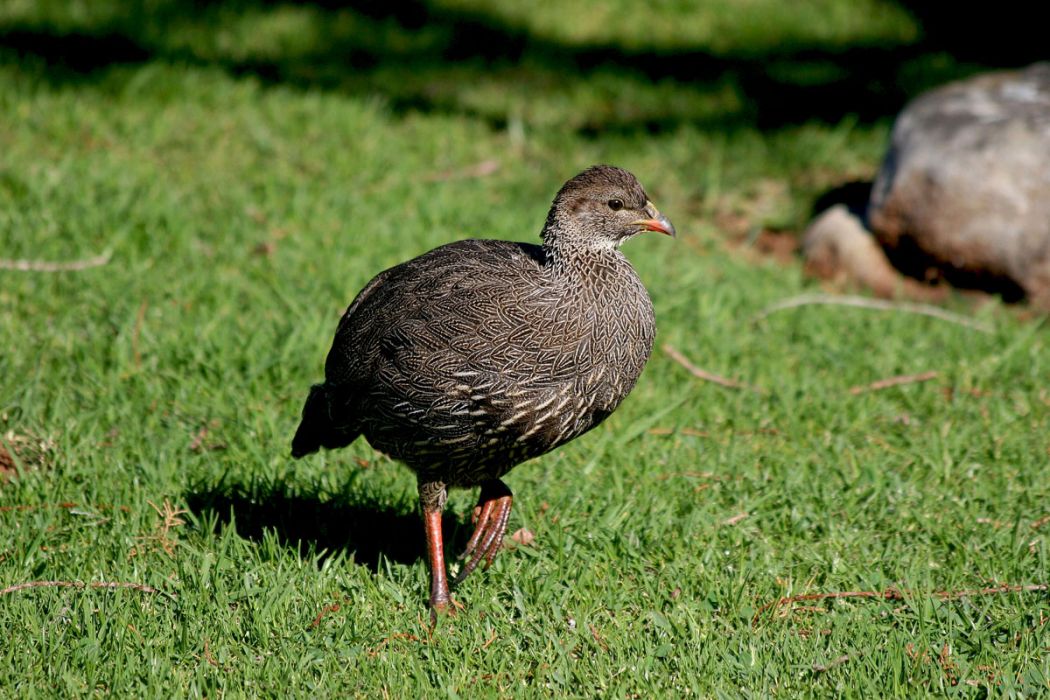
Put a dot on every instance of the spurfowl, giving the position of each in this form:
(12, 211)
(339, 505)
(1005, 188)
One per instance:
(481, 354)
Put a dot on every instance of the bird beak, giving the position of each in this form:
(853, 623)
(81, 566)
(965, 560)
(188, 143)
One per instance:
(656, 221)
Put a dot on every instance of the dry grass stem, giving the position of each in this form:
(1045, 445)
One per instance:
(681, 359)
(598, 638)
(334, 607)
(80, 584)
(735, 519)
(894, 381)
(873, 304)
(897, 594)
(162, 537)
(44, 266)
(1040, 522)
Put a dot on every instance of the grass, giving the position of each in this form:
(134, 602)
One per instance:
(149, 401)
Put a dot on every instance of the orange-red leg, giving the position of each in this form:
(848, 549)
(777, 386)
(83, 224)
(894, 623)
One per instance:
(439, 597)
(432, 502)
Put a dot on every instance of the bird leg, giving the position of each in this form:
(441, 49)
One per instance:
(490, 522)
(432, 497)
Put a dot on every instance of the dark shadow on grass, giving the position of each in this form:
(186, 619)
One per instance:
(416, 53)
(76, 53)
(854, 195)
(369, 532)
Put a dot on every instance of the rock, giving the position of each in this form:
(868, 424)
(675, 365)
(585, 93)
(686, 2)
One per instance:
(966, 182)
(838, 247)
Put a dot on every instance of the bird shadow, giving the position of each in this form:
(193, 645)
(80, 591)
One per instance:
(318, 527)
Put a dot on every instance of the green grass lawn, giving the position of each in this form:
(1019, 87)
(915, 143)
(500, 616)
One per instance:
(248, 169)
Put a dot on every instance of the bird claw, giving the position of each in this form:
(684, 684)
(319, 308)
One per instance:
(492, 514)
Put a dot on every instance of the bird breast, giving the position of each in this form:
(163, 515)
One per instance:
(476, 373)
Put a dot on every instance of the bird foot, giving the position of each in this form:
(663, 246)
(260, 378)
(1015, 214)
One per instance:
(490, 523)
(448, 607)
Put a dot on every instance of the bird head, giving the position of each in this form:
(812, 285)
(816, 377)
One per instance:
(601, 208)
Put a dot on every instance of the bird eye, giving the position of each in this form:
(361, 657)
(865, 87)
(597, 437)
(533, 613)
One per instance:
(616, 204)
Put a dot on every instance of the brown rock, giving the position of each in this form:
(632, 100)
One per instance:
(838, 247)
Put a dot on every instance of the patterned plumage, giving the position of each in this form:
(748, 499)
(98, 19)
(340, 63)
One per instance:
(481, 354)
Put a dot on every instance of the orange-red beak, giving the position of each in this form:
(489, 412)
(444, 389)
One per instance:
(656, 221)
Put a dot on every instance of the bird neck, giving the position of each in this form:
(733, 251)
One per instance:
(567, 252)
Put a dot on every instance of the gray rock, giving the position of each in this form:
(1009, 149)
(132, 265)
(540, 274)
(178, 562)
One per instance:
(966, 182)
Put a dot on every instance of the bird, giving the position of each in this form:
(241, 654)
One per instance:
(481, 354)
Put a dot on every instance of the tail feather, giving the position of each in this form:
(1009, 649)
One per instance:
(316, 430)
